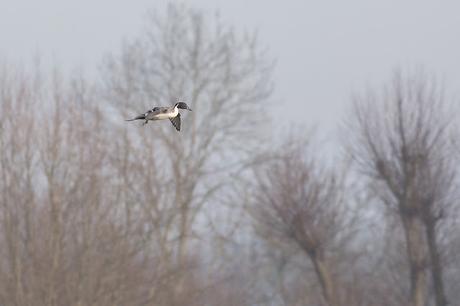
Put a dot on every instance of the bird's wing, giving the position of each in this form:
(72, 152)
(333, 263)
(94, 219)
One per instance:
(152, 113)
(176, 122)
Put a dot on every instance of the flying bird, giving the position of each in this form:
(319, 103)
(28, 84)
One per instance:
(164, 112)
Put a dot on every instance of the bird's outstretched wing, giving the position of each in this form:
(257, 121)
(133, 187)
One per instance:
(176, 122)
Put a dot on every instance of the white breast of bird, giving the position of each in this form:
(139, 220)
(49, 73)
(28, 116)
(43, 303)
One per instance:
(167, 115)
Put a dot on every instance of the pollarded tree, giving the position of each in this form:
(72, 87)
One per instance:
(402, 143)
(300, 205)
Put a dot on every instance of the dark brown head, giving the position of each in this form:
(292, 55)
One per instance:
(183, 105)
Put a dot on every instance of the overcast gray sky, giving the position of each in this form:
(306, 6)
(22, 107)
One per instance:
(325, 50)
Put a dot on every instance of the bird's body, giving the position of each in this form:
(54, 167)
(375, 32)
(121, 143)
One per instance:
(164, 112)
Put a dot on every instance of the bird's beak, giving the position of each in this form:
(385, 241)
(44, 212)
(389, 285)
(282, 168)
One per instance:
(189, 109)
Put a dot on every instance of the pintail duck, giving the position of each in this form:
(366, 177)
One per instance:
(164, 112)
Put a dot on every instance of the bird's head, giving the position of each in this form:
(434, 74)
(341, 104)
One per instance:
(183, 105)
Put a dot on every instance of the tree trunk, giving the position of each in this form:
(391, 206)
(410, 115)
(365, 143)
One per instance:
(417, 255)
(324, 276)
(436, 266)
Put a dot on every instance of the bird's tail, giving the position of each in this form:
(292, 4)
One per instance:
(140, 117)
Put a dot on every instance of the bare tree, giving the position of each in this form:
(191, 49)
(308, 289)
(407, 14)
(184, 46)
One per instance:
(62, 241)
(225, 78)
(402, 144)
(94, 213)
(298, 203)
